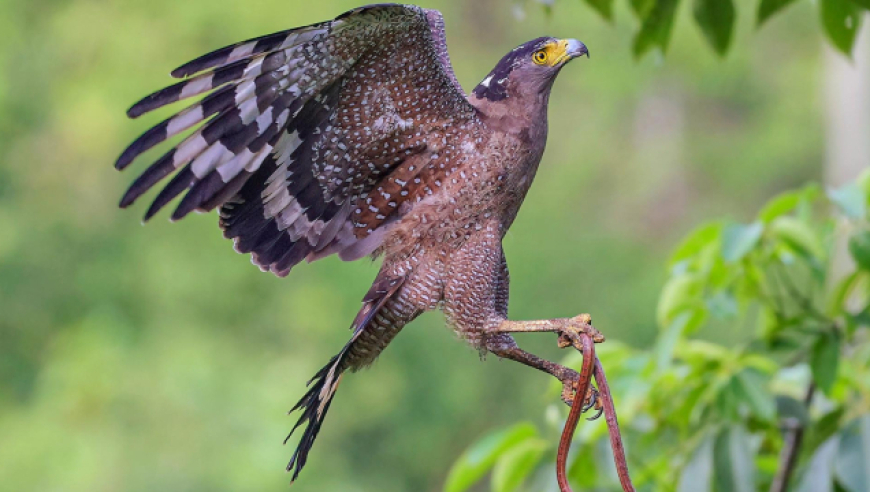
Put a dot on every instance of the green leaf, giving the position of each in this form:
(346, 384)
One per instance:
(678, 294)
(696, 241)
(699, 352)
(850, 199)
(860, 319)
(738, 240)
(769, 7)
(716, 19)
(734, 459)
(824, 361)
(685, 323)
(852, 466)
(798, 236)
(728, 401)
(481, 456)
(584, 472)
(842, 292)
(698, 472)
(840, 20)
(642, 8)
(786, 202)
(603, 7)
(824, 428)
(752, 388)
(859, 247)
(818, 476)
(516, 464)
(655, 30)
(862, 3)
(722, 305)
(765, 365)
(788, 408)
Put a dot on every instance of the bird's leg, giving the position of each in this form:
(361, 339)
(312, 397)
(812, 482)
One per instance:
(568, 330)
(564, 327)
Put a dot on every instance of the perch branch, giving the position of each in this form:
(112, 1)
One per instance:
(584, 342)
(613, 428)
(588, 350)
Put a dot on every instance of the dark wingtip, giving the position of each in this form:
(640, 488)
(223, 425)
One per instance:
(157, 134)
(128, 199)
(157, 171)
(128, 156)
(183, 209)
(180, 72)
(135, 111)
(152, 211)
(163, 97)
(201, 63)
(182, 181)
(124, 160)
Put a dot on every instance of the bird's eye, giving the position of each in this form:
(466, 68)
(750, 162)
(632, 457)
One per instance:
(540, 57)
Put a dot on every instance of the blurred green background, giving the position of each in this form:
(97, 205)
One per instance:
(155, 358)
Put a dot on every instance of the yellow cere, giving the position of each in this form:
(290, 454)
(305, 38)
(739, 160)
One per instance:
(552, 53)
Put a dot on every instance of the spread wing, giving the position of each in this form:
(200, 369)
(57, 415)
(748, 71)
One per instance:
(310, 140)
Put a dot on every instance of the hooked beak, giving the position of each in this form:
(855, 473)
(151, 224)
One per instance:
(576, 48)
(567, 50)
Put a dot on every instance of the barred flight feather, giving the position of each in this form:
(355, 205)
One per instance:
(252, 47)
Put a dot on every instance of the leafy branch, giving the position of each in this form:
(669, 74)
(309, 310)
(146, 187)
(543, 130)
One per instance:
(840, 20)
(773, 401)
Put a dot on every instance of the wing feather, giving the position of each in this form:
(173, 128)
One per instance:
(250, 48)
(309, 139)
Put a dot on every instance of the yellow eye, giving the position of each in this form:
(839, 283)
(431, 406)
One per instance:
(540, 57)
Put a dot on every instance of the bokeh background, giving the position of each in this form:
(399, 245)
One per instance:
(155, 358)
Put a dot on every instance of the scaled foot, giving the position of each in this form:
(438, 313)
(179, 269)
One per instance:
(590, 401)
(576, 326)
(571, 336)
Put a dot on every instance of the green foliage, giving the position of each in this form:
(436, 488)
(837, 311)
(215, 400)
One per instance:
(859, 247)
(657, 21)
(839, 20)
(733, 461)
(853, 455)
(705, 416)
(603, 7)
(516, 464)
(716, 20)
(480, 458)
(825, 360)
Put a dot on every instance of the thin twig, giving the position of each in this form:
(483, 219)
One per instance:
(576, 410)
(587, 347)
(613, 428)
(790, 451)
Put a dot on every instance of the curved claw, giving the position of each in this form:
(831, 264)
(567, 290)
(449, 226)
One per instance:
(595, 417)
(594, 402)
(593, 399)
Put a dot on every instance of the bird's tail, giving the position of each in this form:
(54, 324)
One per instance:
(314, 406)
(322, 386)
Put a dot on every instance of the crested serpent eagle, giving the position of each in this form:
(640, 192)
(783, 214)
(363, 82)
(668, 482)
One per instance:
(353, 137)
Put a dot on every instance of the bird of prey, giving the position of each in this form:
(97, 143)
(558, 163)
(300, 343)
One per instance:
(353, 137)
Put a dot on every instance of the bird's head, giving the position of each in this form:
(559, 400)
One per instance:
(529, 68)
